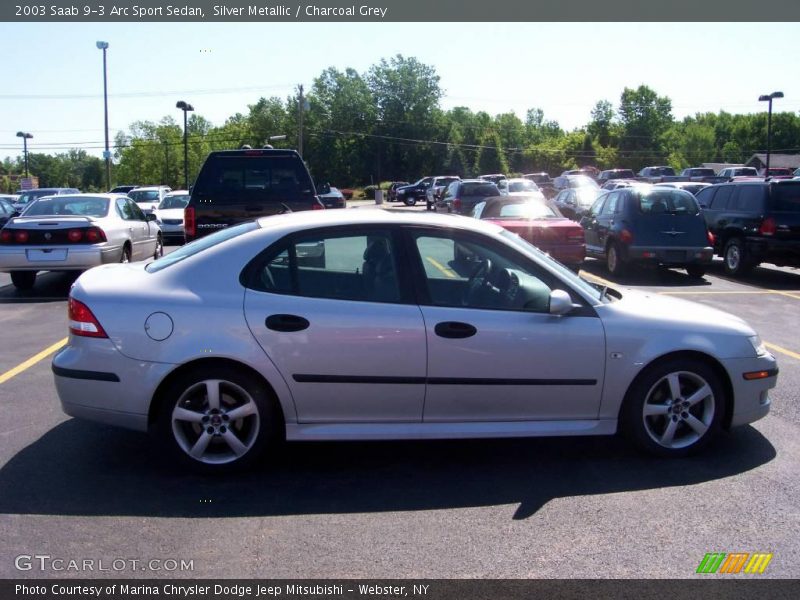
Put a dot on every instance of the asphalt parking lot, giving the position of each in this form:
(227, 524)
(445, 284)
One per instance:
(563, 508)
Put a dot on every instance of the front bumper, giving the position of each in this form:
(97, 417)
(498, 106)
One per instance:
(751, 400)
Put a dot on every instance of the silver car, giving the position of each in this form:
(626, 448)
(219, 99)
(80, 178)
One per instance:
(169, 215)
(232, 343)
(75, 232)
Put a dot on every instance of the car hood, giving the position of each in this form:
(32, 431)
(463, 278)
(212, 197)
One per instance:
(662, 312)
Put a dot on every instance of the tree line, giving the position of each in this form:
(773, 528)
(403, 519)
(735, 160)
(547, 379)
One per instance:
(388, 124)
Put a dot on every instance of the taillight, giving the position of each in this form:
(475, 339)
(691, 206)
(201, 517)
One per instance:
(95, 234)
(768, 227)
(189, 223)
(457, 204)
(711, 239)
(575, 235)
(317, 206)
(21, 236)
(625, 236)
(5, 236)
(82, 322)
(74, 235)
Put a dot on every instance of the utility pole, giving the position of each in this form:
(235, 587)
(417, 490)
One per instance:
(300, 108)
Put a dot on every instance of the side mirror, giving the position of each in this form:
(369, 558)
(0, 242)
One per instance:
(150, 217)
(560, 303)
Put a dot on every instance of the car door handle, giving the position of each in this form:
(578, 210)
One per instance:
(286, 323)
(454, 330)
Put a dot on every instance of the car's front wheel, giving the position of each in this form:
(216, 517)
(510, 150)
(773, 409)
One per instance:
(23, 280)
(218, 419)
(410, 200)
(674, 408)
(159, 252)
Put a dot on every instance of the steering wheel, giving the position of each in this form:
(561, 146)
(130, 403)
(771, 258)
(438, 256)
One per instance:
(477, 281)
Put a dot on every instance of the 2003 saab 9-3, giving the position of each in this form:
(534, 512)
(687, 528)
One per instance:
(368, 325)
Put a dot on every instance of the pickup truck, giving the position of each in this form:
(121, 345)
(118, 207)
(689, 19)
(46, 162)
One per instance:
(667, 175)
(416, 192)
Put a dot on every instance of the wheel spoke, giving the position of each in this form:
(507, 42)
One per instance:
(697, 425)
(182, 414)
(674, 386)
(699, 395)
(200, 446)
(669, 433)
(212, 392)
(651, 410)
(242, 411)
(234, 442)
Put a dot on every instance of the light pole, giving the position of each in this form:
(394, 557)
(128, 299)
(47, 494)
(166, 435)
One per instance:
(25, 137)
(107, 154)
(768, 98)
(185, 107)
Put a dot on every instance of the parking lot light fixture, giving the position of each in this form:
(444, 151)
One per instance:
(769, 98)
(185, 107)
(25, 137)
(107, 153)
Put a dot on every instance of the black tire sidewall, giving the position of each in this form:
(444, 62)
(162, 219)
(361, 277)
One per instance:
(631, 420)
(269, 416)
(23, 280)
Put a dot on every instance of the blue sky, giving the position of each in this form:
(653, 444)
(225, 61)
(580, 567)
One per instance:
(52, 85)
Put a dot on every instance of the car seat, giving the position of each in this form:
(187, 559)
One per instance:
(380, 281)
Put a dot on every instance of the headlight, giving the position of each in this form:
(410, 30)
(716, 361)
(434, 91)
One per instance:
(758, 345)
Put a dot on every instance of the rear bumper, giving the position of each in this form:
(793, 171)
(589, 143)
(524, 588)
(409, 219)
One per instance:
(569, 254)
(671, 255)
(76, 258)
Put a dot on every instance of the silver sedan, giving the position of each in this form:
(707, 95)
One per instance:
(409, 326)
(75, 232)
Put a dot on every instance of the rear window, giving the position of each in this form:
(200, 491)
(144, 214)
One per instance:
(200, 245)
(245, 177)
(669, 201)
(527, 210)
(786, 198)
(482, 190)
(144, 196)
(69, 207)
(525, 185)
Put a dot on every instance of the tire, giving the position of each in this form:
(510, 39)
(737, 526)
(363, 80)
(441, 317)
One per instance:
(674, 408)
(202, 436)
(159, 247)
(23, 280)
(410, 201)
(125, 257)
(696, 271)
(735, 258)
(614, 262)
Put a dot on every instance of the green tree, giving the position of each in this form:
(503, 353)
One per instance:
(645, 117)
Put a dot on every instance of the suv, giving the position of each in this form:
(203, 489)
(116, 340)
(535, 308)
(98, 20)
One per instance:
(439, 185)
(754, 222)
(411, 194)
(235, 186)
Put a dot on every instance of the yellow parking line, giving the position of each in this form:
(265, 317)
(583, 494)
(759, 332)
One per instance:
(598, 279)
(448, 272)
(790, 295)
(782, 350)
(32, 361)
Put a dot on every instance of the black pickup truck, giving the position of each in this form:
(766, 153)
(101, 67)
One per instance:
(754, 222)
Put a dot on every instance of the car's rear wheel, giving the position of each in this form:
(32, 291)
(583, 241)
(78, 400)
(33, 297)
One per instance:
(674, 408)
(410, 201)
(735, 258)
(218, 419)
(23, 280)
(159, 247)
(614, 261)
(125, 257)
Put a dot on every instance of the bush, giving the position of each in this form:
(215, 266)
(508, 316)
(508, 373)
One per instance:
(369, 192)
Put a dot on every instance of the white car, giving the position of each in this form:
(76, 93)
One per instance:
(75, 232)
(232, 343)
(149, 197)
(169, 215)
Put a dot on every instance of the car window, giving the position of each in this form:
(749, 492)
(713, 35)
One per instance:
(748, 198)
(666, 201)
(523, 186)
(174, 202)
(135, 211)
(339, 266)
(200, 245)
(720, 201)
(69, 206)
(478, 210)
(461, 271)
(610, 206)
(481, 190)
(786, 197)
(144, 195)
(230, 176)
(598, 204)
(124, 209)
(705, 195)
(526, 210)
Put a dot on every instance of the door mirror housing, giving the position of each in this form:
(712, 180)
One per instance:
(560, 303)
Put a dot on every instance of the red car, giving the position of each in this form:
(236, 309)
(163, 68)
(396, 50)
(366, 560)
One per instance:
(539, 222)
(778, 173)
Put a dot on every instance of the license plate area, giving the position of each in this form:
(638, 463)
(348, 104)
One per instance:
(46, 254)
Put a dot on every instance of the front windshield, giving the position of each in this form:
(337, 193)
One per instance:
(591, 290)
(174, 202)
(143, 196)
(199, 245)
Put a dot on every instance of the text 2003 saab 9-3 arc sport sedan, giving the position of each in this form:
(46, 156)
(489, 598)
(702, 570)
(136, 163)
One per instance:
(237, 340)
